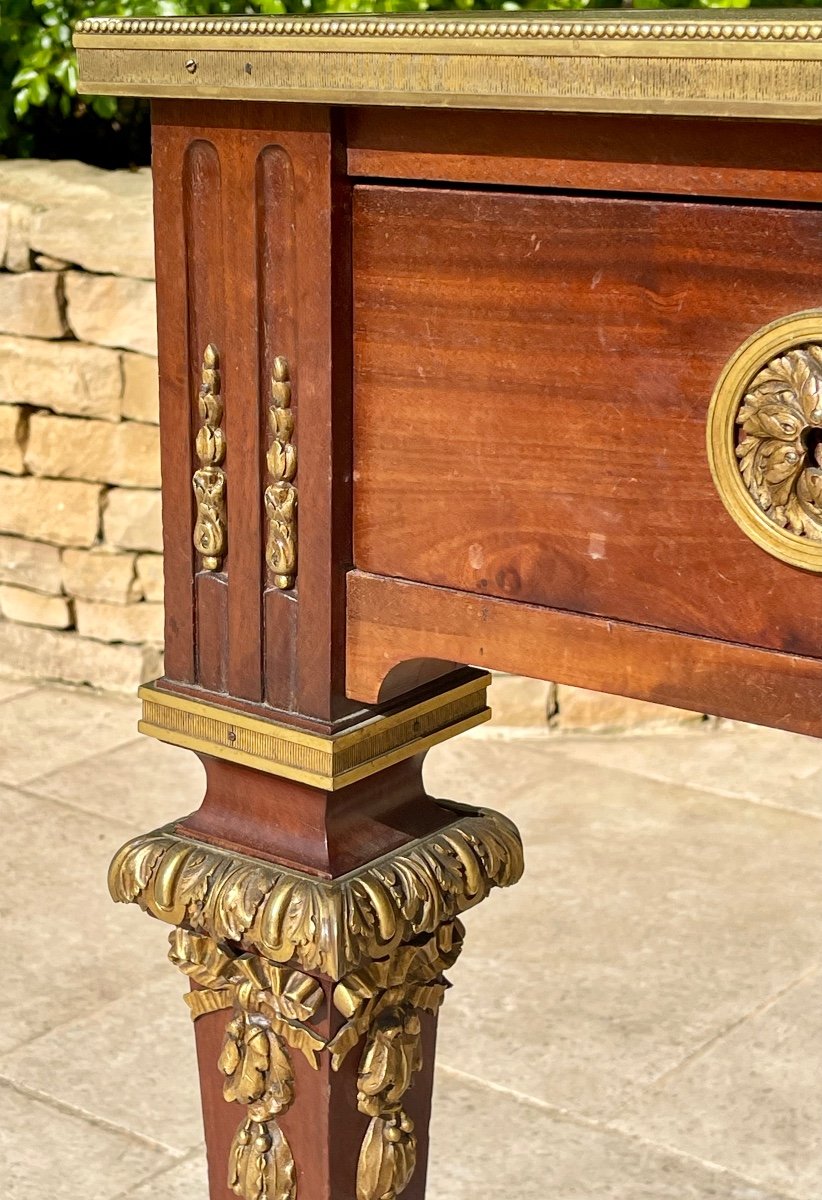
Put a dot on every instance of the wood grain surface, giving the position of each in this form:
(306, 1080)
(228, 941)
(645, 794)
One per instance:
(532, 380)
(392, 623)
(253, 232)
(675, 155)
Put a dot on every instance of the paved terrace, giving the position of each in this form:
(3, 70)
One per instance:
(641, 1019)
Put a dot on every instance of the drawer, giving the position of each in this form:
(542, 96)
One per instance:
(533, 374)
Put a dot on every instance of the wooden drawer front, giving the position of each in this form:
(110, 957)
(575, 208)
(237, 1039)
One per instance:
(532, 380)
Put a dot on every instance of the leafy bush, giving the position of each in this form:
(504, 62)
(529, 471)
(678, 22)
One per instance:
(42, 115)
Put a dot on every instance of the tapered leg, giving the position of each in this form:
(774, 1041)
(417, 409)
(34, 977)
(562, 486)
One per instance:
(316, 925)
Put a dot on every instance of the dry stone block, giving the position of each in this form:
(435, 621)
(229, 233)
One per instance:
(127, 454)
(81, 381)
(45, 654)
(17, 255)
(141, 389)
(33, 608)
(100, 574)
(100, 220)
(30, 305)
(133, 520)
(580, 709)
(120, 622)
(516, 701)
(30, 564)
(4, 231)
(46, 263)
(12, 436)
(150, 576)
(108, 310)
(50, 510)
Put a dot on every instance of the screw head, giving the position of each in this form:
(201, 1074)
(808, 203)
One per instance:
(191, 65)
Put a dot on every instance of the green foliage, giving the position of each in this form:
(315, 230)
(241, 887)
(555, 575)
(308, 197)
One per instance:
(41, 113)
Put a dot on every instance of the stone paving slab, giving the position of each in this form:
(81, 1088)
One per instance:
(184, 1181)
(753, 1100)
(66, 949)
(484, 1143)
(637, 1020)
(48, 1153)
(143, 783)
(44, 729)
(650, 920)
(767, 766)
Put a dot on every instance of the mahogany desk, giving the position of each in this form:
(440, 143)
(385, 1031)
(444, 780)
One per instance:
(483, 340)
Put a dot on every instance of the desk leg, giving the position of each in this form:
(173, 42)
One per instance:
(315, 999)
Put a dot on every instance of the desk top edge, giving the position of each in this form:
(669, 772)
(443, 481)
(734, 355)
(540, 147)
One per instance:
(751, 65)
(768, 28)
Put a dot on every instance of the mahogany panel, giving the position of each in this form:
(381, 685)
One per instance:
(532, 380)
(320, 832)
(205, 286)
(211, 591)
(169, 151)
(391, 621)
(243, 404)
(676, 155)
(266, 272)
(277, 322)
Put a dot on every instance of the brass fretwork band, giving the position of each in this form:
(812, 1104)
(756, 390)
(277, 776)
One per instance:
(327, 762)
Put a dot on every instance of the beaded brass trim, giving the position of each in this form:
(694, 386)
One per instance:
(600, 26)
(332, 926)
(766, 403)
(604, 62)
(327, 762)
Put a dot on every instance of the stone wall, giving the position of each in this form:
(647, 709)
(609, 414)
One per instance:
(80, 541)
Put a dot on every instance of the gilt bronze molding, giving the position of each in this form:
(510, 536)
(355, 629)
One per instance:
(209, 478)
(281, 494)
(270, 1007)
(330, 927)
(315, 759)
(765, 438)
(271, 1010)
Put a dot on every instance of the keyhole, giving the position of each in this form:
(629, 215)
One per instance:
(811, 442)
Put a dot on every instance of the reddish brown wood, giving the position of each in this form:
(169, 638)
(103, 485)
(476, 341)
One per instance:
(756, 160)
(238, 156)
(322, 832)
(532, 384)
(532, 378)
(211, 595)
(175, 405)
(280, 633)
(278, 322)
(391, 622)
(266, 212)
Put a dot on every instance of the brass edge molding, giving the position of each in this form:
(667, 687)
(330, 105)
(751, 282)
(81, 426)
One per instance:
(327, 762)
(610, 26)
(641, 62)
(332, 926)
(281, 494)
(761, 516)
(209, 479)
